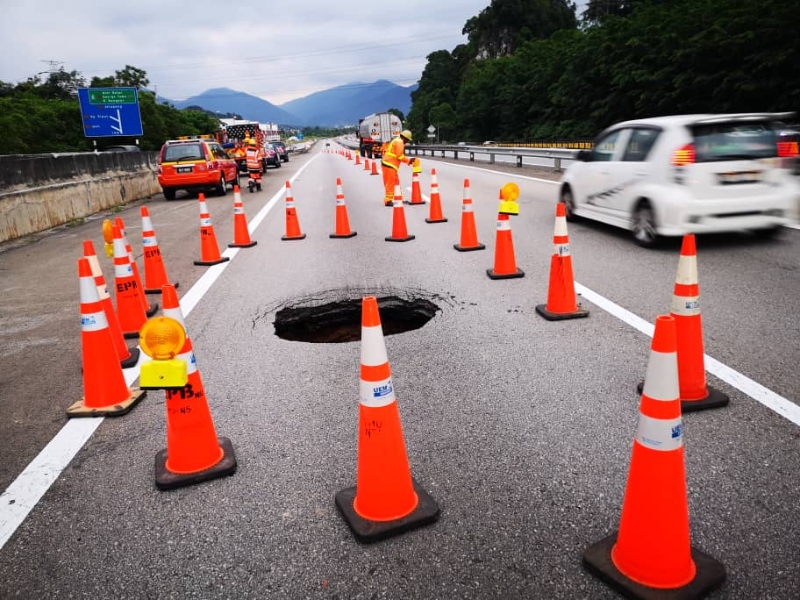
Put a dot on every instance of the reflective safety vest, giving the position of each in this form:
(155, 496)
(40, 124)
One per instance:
(253, 155)
(395, 153)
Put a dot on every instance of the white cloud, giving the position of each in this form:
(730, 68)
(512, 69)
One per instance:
(276, 50)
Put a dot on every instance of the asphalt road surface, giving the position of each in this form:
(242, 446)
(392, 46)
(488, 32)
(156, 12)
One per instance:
(520, 429)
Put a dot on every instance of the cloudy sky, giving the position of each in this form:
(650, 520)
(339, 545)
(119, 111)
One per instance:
(277, 50)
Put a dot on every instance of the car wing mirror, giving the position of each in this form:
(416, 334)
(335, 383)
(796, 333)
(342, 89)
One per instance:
(584, 155)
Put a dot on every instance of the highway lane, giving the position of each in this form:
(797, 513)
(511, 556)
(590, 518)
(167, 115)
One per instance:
(519, 428)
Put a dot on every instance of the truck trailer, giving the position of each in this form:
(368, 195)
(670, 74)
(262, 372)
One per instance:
(376, 129)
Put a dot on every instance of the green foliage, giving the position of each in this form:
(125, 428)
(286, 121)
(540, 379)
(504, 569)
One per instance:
(38, 116)
(520, 78)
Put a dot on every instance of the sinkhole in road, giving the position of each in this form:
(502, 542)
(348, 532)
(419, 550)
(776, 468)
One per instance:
(338, 321)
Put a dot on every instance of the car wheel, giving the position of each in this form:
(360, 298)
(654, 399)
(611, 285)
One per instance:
(169, 193)
(644, 225)
(569, 204)
(222, 186)
(278, 163)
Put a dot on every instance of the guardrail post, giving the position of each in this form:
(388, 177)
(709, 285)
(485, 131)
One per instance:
(558, 164)
(519, 161)
(455, 154)
(472, 157)
(442, 153)
(491, 158)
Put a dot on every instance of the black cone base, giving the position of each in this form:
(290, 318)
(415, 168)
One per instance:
(551, 316)
(715, 399)
(79, 409)
(152, 310)
(461, 248)
(427, 512)
(131, 360)
(408, 238)
(597, 560)
(158, 290)
(294, 237)
(167, 480)
(494, 275)
(343, 235)
(250, 245)
(436, 220)
(414, 203)
(209, 263)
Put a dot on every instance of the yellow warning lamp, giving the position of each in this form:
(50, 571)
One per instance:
(162, 338)
(417, 168)
(508, 203)
(108, 238)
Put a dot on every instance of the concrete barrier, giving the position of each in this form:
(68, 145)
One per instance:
(41, 191)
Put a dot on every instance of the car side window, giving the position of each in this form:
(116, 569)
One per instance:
(639, 144)
(605, 147)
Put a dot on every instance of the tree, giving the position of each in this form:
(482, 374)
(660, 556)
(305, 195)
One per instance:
(399, 113)
(131, 77)
(500, 28)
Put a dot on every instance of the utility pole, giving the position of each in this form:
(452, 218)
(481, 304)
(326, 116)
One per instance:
(53, 64)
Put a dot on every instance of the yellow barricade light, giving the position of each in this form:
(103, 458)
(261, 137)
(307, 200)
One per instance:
(417, 168)
(162, 338)
(508, 203)
(108, 238)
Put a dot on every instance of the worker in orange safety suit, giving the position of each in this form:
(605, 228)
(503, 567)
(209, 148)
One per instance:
(255, 160)
(390, 164)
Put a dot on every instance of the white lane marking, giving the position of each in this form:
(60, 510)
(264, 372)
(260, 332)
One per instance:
(784, 407)
(19, 498)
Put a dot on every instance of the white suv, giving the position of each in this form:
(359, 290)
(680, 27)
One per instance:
(668, 176)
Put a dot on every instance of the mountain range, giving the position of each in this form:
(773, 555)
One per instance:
(335, 107)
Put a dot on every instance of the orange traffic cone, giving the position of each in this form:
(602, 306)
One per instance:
(469, 234)
(358, 158)
(416, 191)
(209, 249)
(435, 215)
(155, 274)
(194, 453)
(505, 264)
(562, 302)
(342, 229)
(695, 394)
(127, 356)
(150, 308)
(651, 553)
(399, 230)
(292, 222)
(130, 309)
(386, 500)
(374, 167)
(366, 164)
(104, 387)
(241, 233)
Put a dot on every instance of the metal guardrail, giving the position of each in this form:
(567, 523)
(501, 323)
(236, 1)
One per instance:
(518, 152)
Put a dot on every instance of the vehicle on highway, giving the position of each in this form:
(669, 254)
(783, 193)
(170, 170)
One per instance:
(272, 159)
(281, 149)
(668, 176)
(195, 165)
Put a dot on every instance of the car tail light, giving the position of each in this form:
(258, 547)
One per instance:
(683, 156)
(787, 149)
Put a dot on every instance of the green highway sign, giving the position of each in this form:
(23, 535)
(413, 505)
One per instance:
(112, 96)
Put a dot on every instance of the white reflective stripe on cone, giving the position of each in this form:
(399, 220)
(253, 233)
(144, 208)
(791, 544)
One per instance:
(661, 379)
(659, 434)
(560, 228)
(376, 394)
(123, 270)
(149, 240)
(685, 306)
(503, 225)
(687, 270)
(94, 321)
(373, 347)
(561, 249)
(190, 360)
